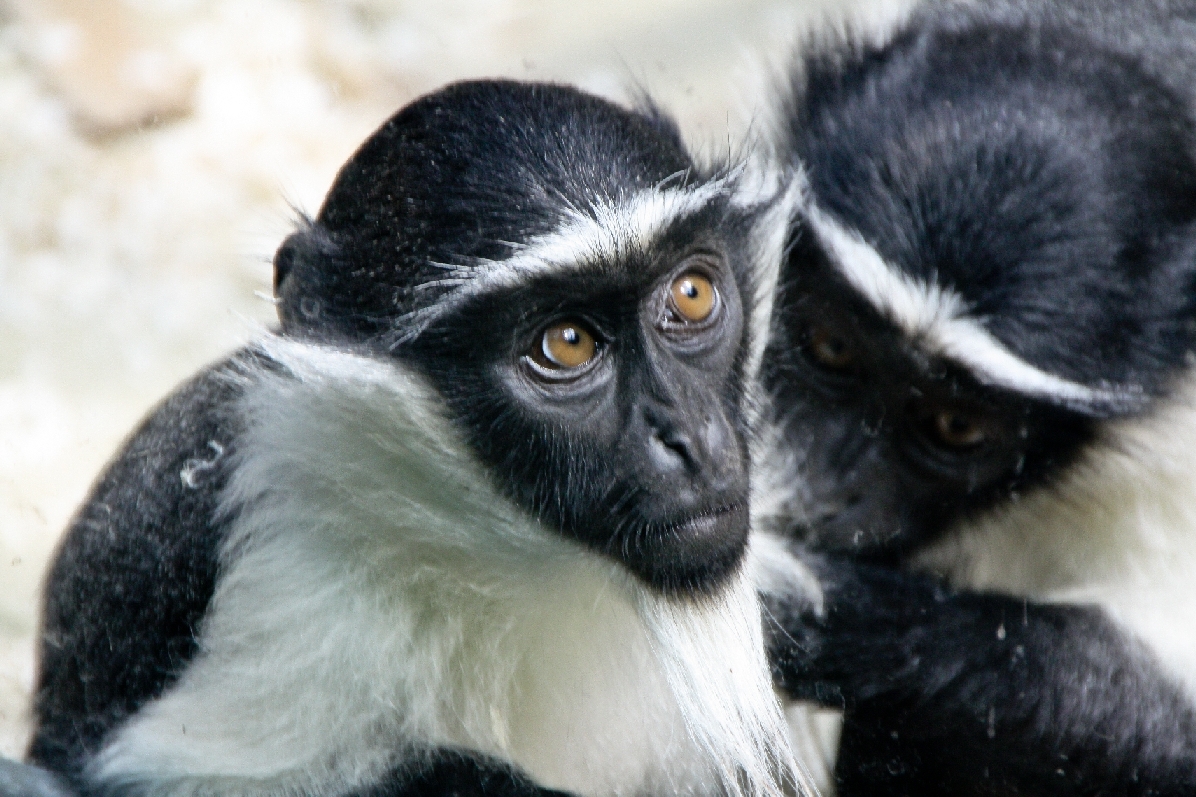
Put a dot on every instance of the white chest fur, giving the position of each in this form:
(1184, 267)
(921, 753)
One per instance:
(378, 598)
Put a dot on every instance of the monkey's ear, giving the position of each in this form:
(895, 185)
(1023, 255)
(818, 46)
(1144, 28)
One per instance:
(301, 269)
(284, 262)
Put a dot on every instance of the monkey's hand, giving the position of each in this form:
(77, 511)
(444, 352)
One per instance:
(458, 773)
(863, 638)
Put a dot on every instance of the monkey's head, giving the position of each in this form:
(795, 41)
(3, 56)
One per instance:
(578, 291)
(997, 255)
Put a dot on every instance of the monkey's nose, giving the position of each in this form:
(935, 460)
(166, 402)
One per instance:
(670, 448)
(696, 445)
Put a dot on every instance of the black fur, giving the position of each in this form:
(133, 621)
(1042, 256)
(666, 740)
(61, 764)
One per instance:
(134, 573)
(1051, 183)
(1039, 160)
(456, 773)
(465, 173)
(640, 455)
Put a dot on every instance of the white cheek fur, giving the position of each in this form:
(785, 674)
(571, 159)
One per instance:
(379, 598)
(1117, 530)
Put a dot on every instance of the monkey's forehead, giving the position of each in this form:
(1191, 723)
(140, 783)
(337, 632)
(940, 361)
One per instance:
(995, 197)
(939, 321)
(612, 238)
(478, 164)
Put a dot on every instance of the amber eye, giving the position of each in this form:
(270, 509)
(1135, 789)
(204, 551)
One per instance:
(959, 429)
(565, 345)
(693, 297)
(830, 349)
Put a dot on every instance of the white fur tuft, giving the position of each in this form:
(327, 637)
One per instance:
(726, 697)
(813, 730)
(768, 252)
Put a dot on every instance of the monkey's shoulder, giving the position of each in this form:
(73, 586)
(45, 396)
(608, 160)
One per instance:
(137, 567)
(158, 494)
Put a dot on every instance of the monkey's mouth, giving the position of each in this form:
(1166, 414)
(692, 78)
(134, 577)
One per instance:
(705, 523)
(695, 553)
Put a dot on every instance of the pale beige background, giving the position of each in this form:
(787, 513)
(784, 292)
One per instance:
(148, 152)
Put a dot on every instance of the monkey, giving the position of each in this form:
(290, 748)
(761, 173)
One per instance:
(474, 518)
(981, 423)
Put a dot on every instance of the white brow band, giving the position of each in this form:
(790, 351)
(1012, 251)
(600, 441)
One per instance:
(606, 231)
(936, 317)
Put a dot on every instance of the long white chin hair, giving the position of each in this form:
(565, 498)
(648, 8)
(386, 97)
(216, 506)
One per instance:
(711, 649)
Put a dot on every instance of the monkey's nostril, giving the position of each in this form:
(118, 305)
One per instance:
(673, 449)
(671, 446)
(679, 442)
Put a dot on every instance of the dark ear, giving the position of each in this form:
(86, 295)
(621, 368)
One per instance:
(301, 269)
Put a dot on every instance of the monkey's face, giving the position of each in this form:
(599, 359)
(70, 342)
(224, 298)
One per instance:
(892, 444)
(992, 259)
(574, 286)
(606, 399)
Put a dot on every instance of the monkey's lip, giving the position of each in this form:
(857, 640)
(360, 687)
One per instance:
(706, 522)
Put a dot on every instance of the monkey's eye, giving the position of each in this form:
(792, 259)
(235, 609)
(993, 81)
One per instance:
(959, 429)
(689, 303)
(830, 349)
(692, 297)
(967, 440)
(564, 346)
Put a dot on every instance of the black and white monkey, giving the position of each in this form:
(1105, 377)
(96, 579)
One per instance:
(475, 520)
(982, 370)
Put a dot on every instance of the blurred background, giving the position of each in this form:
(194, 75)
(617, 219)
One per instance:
(153, 153)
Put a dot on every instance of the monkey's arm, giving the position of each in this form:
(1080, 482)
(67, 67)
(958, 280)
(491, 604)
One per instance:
(977, 693)
(458, 773)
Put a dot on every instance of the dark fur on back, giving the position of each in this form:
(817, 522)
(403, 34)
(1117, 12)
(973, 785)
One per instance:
(134, 573)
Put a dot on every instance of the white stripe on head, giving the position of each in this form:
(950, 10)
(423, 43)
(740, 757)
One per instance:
(767, 250)
(937, 319)
(603, 232)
